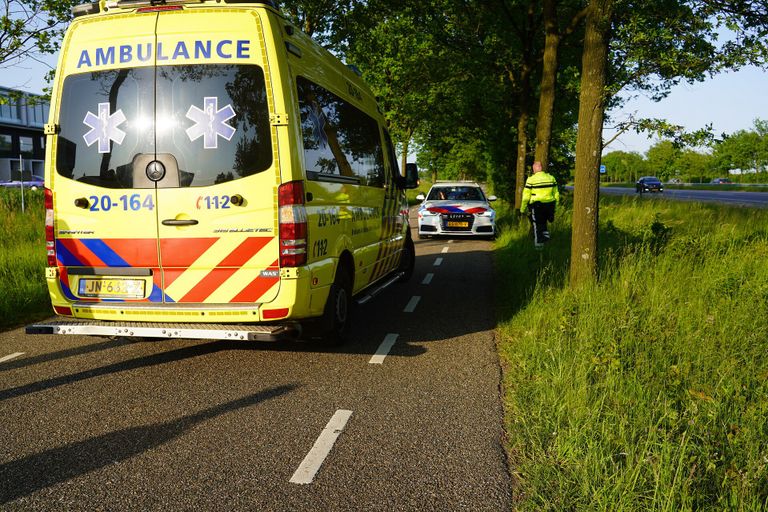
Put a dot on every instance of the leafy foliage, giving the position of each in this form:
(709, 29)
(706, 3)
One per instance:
(31, 27)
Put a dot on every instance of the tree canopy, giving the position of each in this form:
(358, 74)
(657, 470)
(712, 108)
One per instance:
(31, 27)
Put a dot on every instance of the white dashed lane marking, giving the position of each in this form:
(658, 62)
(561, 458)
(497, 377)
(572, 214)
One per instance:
(428, 278)
(438, 262)
(11, 356)
(411, 306)
(445, 250)
(322, 447)
(384, 348)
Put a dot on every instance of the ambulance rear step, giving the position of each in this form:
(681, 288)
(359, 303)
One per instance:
(79, 326)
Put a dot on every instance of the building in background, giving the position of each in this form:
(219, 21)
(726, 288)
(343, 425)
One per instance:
(22, 143)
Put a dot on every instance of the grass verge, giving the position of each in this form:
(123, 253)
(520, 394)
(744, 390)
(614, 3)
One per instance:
(24, 295)
(647, 390)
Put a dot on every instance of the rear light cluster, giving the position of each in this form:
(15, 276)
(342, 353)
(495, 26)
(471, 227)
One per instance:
(292, 217)
(50, 239)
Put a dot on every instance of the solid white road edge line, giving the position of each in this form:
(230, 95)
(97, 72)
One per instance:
(411, 306)
(428, 278)
(11, 356)
(438, 262)
(322, 447)
(384, 348)
(445, 250)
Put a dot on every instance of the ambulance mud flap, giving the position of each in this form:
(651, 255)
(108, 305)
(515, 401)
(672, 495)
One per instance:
(271, 332)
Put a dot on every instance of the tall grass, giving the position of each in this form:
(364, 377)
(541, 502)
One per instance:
(23, 293)
(647, 390)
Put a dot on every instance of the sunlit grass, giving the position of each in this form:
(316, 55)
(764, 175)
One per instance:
(22, 258)
(649, 389)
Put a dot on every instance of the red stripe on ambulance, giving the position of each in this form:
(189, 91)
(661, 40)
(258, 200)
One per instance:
(258, 287)
(225, 269)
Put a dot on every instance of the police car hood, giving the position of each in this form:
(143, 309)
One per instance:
(449, 206)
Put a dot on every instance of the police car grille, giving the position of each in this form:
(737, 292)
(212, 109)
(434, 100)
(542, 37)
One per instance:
(458, 221)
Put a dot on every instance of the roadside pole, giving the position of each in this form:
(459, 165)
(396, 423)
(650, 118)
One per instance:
(21, 182)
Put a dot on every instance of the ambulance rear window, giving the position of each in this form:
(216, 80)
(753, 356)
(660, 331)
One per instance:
(212, 120)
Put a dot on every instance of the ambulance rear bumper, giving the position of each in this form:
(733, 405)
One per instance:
(75, 326)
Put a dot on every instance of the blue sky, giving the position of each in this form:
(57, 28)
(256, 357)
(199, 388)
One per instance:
(730, 101)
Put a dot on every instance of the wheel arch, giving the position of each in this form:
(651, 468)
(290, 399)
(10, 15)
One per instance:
(346, 264)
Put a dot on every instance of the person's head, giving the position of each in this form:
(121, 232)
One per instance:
(537, 166)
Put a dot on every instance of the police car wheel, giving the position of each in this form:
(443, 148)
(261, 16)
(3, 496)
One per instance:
(338, 310)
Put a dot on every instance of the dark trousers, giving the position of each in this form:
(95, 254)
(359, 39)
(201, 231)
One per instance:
(541, 213)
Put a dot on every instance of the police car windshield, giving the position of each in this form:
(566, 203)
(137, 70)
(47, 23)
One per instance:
(456, 194)
(211, 121)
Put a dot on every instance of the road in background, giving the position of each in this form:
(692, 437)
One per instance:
(407, 416)
(751, 199)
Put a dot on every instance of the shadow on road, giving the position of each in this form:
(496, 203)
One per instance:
(61, 354)
(123, 366)
(25, 476)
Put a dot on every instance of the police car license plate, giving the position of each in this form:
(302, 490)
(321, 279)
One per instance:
(451, 224)
(119, 288)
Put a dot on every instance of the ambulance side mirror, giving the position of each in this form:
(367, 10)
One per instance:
(411, 179)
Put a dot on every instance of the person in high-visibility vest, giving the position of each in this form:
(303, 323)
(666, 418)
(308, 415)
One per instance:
(541, 195)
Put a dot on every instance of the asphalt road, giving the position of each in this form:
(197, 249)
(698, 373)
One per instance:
(750, 199)
(115, 424)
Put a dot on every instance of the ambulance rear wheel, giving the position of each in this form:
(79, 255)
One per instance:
(407, 260)
(338, 310)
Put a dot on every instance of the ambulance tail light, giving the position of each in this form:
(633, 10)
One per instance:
(50, 239)
(292, 217)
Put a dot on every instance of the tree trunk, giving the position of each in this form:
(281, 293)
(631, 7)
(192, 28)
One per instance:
(522, 148)
(404, 155)
(589, 143)
(524, 105)
(548, 78)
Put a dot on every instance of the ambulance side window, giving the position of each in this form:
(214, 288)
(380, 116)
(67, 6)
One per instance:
(341, 143)
(394, 169)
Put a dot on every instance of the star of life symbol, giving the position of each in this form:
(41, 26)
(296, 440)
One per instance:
(317, 118)
(210, 122)
(104, 127)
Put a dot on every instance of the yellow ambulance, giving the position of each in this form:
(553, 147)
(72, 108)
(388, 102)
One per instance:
(213, 173)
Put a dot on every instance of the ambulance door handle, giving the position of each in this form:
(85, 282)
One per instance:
(180, 222)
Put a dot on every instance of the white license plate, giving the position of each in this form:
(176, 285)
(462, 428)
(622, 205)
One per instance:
(116, 288)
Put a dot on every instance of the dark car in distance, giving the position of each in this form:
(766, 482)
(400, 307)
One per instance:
(33, 183)
(721, 181)
(648, 184)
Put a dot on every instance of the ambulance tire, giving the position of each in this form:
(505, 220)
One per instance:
(338, 310)
(407, 260)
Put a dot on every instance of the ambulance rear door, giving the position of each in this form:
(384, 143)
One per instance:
(105, 222)
(216, 198)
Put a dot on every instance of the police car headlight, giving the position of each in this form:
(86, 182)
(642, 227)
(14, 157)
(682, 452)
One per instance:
(487, 213)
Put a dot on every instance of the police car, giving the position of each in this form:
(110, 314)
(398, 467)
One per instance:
(456, 208)
(213, 173)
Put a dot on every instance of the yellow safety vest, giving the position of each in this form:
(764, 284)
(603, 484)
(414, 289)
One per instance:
(540, 188)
